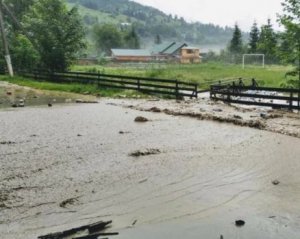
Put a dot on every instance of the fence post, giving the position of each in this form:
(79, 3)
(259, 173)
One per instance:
(98, 79)
(138, 84)
(177, 90)
(196, 91)
(291, 100)
(229, 96)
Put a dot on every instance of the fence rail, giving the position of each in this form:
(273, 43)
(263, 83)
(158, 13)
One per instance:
(255, 95)
(143, 84)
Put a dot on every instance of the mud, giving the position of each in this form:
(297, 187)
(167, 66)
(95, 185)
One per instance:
(146, 152)
(209, 175)
(279, 121)
(16, 96)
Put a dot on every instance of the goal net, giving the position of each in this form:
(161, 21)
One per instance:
(253, 60)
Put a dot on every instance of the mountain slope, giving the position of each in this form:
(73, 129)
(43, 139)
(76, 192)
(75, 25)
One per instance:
(150, 22)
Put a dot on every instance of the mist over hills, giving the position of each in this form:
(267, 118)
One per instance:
(150, 22)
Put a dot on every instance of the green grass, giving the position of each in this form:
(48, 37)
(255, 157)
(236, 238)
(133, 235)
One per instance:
(202, 74)
(71, 88)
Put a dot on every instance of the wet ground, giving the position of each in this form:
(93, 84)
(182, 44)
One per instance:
(70, 165)
(17, 96)
(264, 118)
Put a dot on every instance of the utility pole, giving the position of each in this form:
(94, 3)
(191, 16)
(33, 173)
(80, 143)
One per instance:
(5, 44)
(298, 75)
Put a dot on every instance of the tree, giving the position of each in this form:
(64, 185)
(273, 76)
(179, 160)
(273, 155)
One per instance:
(290, 19)
(19, 7)
(56, 31)
(131, 39)
(267, 43)
(23, 53)
(157, 39)
(236, 43)
(107, 36)
(254, 37)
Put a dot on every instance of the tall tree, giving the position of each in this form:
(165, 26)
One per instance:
(267, 43)
(131, 39)
(157, 39)
(106, 37)
(290, 19)
(57, 32)
(236, 43)
(254, 37)
(19, 7)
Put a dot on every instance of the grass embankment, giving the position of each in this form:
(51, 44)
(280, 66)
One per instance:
(72, 88)
(203, 74)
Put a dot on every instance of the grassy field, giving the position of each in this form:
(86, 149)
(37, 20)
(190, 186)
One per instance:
(203, 74)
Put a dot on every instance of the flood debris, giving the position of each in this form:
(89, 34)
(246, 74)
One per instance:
(275, 182)
(81, 101)
(143, 181)
(3, 199)
(49, 105)
(67, 202)
(237, 117)
(134, 222)
(7, 142)
(240, 223)
(141, 119)
(146, 152)
(124, 132)
(91, 231)
(155, 109)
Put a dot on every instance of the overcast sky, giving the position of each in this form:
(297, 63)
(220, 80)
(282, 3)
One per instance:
(221, 12)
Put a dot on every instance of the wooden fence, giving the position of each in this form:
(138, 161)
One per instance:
(175, 88)
(255, 95)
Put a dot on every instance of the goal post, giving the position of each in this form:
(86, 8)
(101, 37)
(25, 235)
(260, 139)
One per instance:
(262, 56)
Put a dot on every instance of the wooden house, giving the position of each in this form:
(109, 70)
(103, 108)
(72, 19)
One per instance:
(189, 55)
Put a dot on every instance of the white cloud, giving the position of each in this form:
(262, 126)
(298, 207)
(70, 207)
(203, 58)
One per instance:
(221, 12)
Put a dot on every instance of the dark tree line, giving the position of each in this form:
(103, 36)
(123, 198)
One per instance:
(149, 22)
(263, 40)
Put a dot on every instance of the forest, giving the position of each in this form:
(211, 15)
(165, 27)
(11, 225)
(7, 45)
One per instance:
(150, 22)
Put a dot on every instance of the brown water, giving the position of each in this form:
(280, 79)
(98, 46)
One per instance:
(207, 175)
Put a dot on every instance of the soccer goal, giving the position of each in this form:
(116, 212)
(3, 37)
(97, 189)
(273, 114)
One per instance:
(254, 59)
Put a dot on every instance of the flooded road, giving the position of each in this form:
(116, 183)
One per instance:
(203, 176)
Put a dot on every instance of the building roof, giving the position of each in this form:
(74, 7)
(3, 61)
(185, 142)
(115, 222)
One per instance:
(190, 48)
(161, 48)
(130, 52)
(175, 48)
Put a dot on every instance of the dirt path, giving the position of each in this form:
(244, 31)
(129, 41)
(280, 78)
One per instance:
(67, 166)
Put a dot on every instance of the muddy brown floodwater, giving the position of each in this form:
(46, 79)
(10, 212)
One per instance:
(70, 165)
